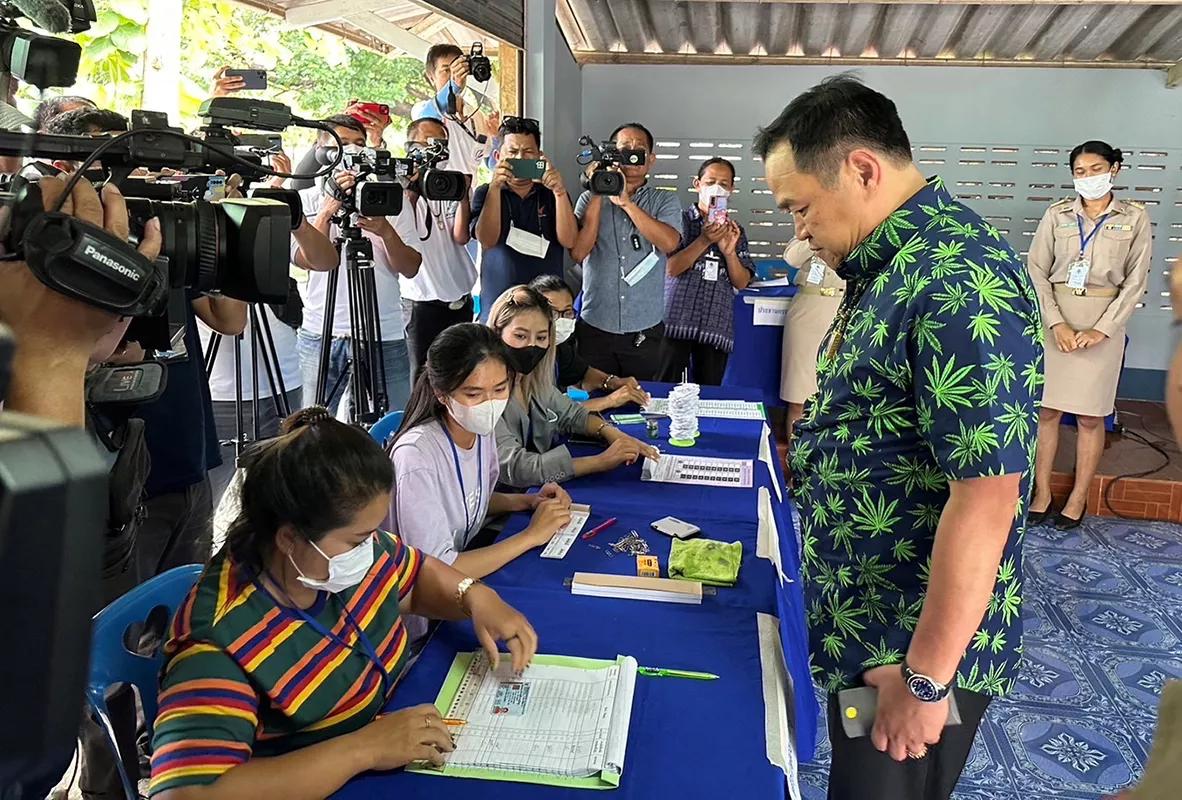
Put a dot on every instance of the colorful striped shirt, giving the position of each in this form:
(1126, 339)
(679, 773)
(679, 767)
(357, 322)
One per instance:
(244, 676)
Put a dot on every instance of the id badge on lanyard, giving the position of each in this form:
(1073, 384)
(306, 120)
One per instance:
(1078, 270)
(710, 268)
(816, 272)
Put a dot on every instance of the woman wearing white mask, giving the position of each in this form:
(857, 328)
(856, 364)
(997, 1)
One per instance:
(445, 459)
(711, 263)
(537, 412)
(1090, 263)
(572, 369)
(281, 664)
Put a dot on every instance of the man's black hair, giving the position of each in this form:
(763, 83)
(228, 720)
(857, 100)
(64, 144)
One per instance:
(652, 143)
(520, 126)
(838, 115)
(550, 283)
(85, 121)
(413, 128)
(716, 160)
(439, 52)
(345, 121)
(51, 107)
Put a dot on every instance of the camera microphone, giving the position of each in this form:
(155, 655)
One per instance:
(49, 15)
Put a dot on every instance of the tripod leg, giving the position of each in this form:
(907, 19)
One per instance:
(330, 303)
(359, 360)
(274, 373)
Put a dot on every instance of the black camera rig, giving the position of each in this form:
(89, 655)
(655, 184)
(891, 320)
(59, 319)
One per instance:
(605, 178)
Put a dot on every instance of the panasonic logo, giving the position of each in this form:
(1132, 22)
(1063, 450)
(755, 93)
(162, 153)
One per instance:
(102, 258)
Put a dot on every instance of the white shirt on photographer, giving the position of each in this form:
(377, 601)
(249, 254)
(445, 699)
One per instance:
(448, 272)
(222, 387)
(315, 291)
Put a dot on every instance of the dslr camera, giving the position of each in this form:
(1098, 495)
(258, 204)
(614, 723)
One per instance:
(604, 179)
(479, 66)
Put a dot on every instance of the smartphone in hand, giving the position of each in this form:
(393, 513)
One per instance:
(528, 168)
(717, 212)
(251, 78)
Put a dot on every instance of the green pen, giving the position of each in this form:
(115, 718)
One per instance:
(661, 672)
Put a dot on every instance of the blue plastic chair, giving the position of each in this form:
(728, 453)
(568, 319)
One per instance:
(112, 663)
(385, 427)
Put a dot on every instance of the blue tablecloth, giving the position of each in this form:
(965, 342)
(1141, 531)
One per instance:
(687, 739)
(674, 721)
(755, 362)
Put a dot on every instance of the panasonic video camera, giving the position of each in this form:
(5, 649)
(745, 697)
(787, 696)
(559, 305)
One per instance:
(426, 179)
(605, 178)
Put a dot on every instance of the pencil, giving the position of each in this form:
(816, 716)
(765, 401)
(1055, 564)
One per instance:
(457, 722)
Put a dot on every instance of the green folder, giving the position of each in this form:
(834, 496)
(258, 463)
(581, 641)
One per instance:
(607, 779)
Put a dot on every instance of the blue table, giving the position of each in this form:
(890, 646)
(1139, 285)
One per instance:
(755, 362)
(675, 722)
(687, 739)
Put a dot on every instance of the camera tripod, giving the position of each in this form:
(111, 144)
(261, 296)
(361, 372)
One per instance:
(262, 347)
(366, 368)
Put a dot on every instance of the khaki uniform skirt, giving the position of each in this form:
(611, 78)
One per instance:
(1083, 381)
(809, 316)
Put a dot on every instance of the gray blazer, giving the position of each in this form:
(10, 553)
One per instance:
(533, 460)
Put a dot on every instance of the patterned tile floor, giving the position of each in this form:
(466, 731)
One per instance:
(1103, 633)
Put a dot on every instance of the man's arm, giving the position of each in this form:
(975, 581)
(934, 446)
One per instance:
(222, 315)
(401, 259)
(315, 250)
(665, 237)
(461, 229)
(686, 257)
(588, 228)
(969, 543)
(487, 211)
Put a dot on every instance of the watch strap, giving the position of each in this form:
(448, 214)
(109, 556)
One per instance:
(923, 687)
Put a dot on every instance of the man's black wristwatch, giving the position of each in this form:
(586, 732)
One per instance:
(923, 688)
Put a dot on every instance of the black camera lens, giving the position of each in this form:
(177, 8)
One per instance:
(440, 184)
(238, 246)
(605, 182)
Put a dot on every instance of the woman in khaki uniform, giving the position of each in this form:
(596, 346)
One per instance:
(809, 316)
(1090, 263)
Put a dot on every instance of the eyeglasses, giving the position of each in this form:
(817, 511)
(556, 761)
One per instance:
(567, 314)
(521, 125)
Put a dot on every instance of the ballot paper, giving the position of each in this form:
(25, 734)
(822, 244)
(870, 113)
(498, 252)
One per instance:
(715, 409)
(562, 722)
(562, 541)
(672, 468)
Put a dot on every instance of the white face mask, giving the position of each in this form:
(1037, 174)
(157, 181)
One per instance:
(344, 571)
(706, 193)
(480, 419)
(563, 328)
(1094, 187)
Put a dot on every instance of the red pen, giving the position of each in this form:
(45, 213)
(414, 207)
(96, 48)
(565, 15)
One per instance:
(599, 528)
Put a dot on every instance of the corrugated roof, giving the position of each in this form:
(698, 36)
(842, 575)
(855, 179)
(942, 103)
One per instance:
(1037, 33)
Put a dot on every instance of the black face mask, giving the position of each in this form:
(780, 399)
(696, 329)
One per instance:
(525, 359)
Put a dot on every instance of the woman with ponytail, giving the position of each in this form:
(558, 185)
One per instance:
(445, 459)
(280, 664)
(537, 412)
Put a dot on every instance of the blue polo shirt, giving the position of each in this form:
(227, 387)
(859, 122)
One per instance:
(502, 267)
(609, 303)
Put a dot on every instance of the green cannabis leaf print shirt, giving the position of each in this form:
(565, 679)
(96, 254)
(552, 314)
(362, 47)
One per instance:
(931, 373)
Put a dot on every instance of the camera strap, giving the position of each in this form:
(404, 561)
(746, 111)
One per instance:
(87, 263)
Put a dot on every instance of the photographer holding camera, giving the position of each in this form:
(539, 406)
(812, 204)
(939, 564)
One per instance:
(448, 70)
(393, 261)
(623, 244)
(523, 218)
(441, 294)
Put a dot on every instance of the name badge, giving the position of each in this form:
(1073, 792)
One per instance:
(710, 268)
(643, 268)
(816, 272)
(1077, 274)
(526, 243)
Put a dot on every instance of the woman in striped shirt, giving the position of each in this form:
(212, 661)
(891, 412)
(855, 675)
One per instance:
(284, 654)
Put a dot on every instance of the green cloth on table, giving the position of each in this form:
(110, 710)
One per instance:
(705, 560)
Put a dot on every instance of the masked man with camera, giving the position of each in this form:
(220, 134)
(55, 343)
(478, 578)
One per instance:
(623, 244)
(393, 262)
(447, 70)
(440, 295)
(523, 223)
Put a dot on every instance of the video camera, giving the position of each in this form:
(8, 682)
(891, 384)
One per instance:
(43, 61)
(432, 183)
(239, 247)
(479, 65)
(604, 179)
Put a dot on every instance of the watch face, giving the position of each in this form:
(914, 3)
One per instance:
(923, 688)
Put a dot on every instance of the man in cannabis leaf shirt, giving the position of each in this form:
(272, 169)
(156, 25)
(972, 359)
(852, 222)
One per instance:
(912, 464)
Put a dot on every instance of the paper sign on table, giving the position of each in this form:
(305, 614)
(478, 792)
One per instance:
(769, 311)
(733, 472)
